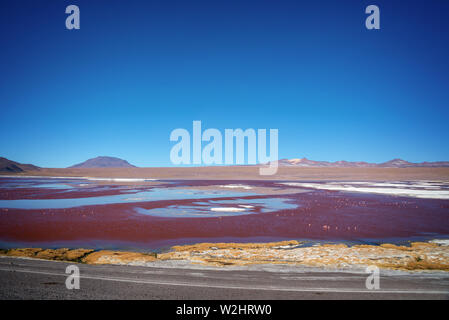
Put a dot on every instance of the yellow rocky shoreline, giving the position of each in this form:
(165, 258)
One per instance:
(419, 256)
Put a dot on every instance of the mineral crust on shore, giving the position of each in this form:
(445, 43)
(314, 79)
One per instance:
(419, 256)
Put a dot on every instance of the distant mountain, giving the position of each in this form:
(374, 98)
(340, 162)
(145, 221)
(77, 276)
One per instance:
(304, 162)
(104, 162)
(433, 164)
(395, 163)
(7, 165)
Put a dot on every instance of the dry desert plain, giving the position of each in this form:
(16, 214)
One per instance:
(252, 173)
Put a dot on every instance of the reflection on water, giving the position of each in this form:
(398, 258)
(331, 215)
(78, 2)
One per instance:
(214, 208)
(155, 194)
(37, 183)
(205, 208)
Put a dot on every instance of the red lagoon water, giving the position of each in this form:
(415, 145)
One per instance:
(55, 212)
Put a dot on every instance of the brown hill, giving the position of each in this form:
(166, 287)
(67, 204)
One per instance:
(7, 165)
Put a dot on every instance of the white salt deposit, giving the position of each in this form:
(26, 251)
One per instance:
(441, 242)
(404, 189)
(119, 179)
(236, 186)
(84, 178)
(227, 209)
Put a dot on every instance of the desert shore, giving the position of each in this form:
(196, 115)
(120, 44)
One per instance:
(249, 173)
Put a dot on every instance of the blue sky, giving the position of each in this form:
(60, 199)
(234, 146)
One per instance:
(136, 70)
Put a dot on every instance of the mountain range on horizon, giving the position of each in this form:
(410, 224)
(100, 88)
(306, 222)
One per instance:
(395, 163)
(10, 166)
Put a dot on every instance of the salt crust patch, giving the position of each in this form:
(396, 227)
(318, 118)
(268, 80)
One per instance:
(86, 178)
(236, 186)
(441, 242)
(227, 209)
(428, 190)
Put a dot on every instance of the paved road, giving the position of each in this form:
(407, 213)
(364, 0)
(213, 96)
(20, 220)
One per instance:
(38, 279)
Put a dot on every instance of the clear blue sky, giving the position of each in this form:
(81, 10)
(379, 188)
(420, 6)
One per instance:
(138, 69)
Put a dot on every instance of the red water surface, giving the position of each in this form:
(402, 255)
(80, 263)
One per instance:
(320, 215)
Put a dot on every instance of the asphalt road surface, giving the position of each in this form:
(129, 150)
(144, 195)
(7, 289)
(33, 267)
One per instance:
(38, 279)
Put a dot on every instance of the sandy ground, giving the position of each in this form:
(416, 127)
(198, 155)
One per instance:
(252, 173)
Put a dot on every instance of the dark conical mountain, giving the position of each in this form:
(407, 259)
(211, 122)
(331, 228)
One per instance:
(104, 162)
